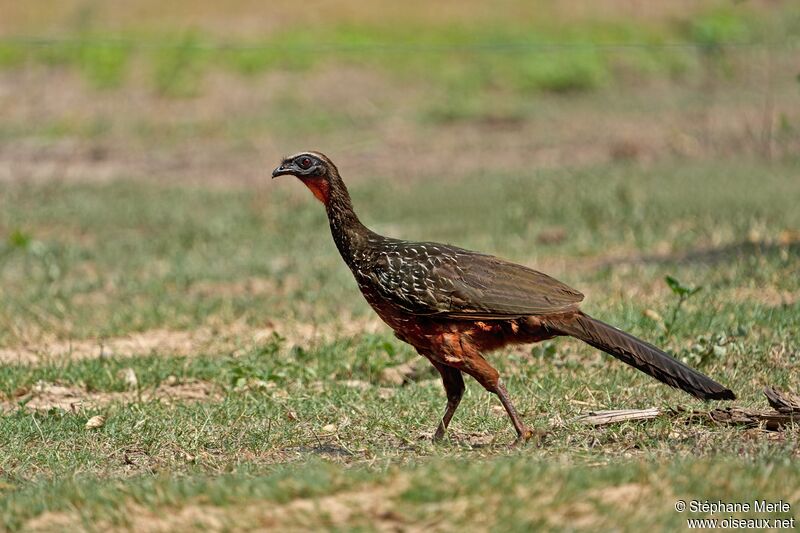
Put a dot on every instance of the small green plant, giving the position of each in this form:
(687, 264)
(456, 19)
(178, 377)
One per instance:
(104, 64)
(544, 350)
(707, 348)
(562, 72)
(255, 370)
(713, 31)
(683, 293)
(19, 239)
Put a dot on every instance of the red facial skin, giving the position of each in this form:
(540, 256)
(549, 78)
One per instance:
(319, 186)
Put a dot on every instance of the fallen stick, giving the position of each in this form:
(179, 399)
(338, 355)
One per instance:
(782, 402)
(786, 412)
(601, 418)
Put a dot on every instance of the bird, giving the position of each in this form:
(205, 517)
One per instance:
(455, 305)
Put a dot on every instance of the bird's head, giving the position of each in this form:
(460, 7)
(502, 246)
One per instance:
(314, 169)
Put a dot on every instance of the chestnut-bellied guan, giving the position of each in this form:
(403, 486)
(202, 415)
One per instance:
(453, 305)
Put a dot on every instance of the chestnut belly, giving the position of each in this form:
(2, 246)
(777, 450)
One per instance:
(425, 332)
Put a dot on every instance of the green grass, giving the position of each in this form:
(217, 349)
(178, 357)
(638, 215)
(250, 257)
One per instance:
(101, 261)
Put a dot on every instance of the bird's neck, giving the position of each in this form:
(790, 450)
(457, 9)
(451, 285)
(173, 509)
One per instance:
(348, 232)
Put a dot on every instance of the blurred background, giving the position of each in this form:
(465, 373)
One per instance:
(214, 93)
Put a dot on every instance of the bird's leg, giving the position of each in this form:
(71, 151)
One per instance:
(454, 388)
(465, 356)
(523, 432)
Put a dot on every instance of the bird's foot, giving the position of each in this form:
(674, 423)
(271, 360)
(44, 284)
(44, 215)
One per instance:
(537, 435)
(433, 436)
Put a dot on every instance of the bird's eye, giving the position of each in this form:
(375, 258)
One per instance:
(305, 163)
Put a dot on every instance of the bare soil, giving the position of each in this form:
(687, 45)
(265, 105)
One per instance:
(230, 338)
(369, 506)
(45, 396)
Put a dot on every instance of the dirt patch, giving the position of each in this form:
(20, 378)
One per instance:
(769, 296)
(586, 513)
(188, 518)
(369, 506)
(228, 338)
(248, 286)
(45, 396)
(54, 521)
(625, 496)
(413, 370)
(159, 341)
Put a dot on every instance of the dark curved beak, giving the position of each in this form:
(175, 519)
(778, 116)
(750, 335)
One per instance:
(283, 170)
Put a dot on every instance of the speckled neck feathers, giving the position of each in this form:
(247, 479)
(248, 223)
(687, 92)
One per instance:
(347, 230)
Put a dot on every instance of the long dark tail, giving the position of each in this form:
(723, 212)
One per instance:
(639, 354)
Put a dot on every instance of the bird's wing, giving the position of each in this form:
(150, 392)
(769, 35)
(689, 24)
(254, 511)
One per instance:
(433, 279)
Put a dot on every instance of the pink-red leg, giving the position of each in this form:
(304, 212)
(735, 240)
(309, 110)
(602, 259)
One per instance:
(460, 354)
(454, 388)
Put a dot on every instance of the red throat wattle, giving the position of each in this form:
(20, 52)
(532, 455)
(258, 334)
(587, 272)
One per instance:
(319, 186)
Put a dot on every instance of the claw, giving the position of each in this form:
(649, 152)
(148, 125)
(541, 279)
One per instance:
(537, 435)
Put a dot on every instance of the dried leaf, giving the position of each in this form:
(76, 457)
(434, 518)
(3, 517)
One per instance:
(384, 393)
(552, 235)
(783, 402)
(653, 315)
(408, 372)
(356, 384)
(95, 422)
(128, 376)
